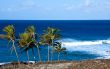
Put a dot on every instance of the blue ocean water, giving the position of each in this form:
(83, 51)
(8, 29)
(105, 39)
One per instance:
(84, 39)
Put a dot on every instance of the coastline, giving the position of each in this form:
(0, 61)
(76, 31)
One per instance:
(89, 53)
(86, 64)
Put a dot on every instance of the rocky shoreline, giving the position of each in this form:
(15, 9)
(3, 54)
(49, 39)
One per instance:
(88, 64)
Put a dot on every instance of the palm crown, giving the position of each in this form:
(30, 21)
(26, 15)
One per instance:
(31, 30)
(25, 39)
(49, 35)
(10, 30)
(58, 47)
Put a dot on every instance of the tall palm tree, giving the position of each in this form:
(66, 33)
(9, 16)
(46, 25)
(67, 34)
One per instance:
(49, 36)
(58, 48)
(32, 30)
(10, 35)
(24, 43)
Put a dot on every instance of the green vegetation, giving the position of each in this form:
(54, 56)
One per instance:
(10, 36)
(59, 49)
(49, 37)
(30, 40)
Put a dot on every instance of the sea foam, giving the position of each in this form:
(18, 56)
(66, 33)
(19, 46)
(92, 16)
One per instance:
(5, 63)
(99, 47)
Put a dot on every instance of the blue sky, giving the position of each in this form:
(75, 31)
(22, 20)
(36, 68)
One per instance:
(55, 9)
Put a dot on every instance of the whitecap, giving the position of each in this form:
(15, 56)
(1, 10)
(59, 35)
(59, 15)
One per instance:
(99, 47)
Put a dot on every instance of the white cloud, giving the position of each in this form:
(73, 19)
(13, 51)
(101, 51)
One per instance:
(87, 3)
(71, 7)
(81, 5)
(24, 5)
(28, 3)
(88, 6)
(8, 9)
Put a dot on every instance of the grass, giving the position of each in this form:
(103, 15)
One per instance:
(88, 64)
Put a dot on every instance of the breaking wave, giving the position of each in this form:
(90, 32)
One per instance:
(72, 42)
(99, 47)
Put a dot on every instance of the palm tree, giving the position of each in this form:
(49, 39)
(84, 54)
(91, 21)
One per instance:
(32, 30)
(49, 36)
(24, 43)
(58, 48)
(10, 35)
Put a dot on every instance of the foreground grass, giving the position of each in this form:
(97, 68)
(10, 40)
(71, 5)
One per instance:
(89, 64)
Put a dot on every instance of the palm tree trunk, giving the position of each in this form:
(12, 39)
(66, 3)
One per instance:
(52, 55)
(48, 53)
(15, 51)
(52, 51)
(39, 53)
(33, 54)
(27, 56)
(59, 56)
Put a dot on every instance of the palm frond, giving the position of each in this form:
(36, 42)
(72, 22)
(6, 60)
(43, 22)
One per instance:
(10, 31)
(58, 47)
(50, 35)
(30, 29)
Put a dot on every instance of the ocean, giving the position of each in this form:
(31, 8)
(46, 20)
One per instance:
(84, 39)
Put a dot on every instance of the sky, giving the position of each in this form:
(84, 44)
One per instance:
(54, 9)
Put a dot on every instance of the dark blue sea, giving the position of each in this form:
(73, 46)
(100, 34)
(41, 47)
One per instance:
(84, 39)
